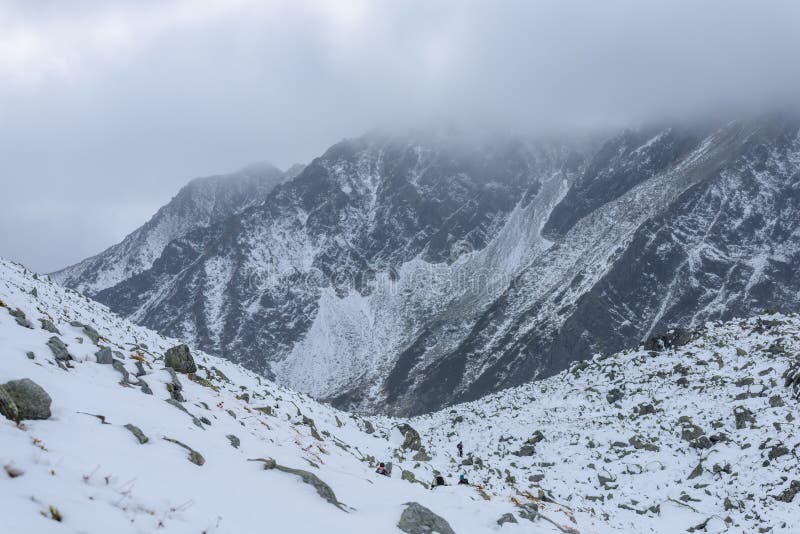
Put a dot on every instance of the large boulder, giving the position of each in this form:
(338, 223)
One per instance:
(416, 519)
(411, 438)
(19, 316)
(58, 348)
(789, 493)
(31, 400)
(180, 359)
(91, 333)
(48, 326)
(506, 518)
(104, 356)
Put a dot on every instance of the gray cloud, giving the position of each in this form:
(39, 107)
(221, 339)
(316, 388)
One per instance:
(106, 109)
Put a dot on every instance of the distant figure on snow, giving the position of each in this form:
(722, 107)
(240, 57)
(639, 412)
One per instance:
(381, 470)
(460, 448)
(438, 481)
(462, 479)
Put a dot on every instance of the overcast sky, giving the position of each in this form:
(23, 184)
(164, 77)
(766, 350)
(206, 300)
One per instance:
(108, 108)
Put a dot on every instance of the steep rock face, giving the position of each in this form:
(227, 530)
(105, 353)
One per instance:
(202, 202)
(281, 285)
(405, 273)
(711, 238)
(632, 157)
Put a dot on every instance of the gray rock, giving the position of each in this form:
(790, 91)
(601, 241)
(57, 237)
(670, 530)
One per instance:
(104, 356)
(368, 427)
(269, 463)
(140, 371)
(194, 456)
(30, 355)
(8, 408)
(91, 333)
(535, 438)
(178, 405)
(525, 450)
(180, 359)
(422, 456)
(696, 472)
(19, 316)
(614, 395)
(691, 432)
(639, 444)
(235, 442)
(788, 494)
(174, 386)
(31, 399)
(412, 440)
(743, 417)
(310, 424)
(120, 368)
(777, 451)
(48, 326)
(506, 518)
(776, 401)
(416, 519)
(58, 348)
(138, 434)
(145, 387)
(529, 511)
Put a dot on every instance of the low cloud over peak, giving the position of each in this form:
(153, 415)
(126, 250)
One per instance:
(106, 109)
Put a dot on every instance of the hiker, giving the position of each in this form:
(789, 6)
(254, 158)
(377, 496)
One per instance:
(438, 481)
(462, 480)
(460, 448)
(381, 470)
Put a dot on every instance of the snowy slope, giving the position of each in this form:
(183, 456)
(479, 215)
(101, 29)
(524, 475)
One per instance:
(98, 478)
(595, 470)
(649, 441)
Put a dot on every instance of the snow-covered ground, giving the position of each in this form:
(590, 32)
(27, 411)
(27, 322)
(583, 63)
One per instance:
(594, 466)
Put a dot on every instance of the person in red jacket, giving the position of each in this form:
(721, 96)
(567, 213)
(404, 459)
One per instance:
(381, 470)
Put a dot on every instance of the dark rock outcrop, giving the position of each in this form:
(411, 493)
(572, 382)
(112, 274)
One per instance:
(416, 519)
(58, 348)
(180, 359)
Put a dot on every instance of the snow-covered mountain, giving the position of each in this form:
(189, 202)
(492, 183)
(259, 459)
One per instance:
(202, 202)
(699, 437)
(403, 273)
